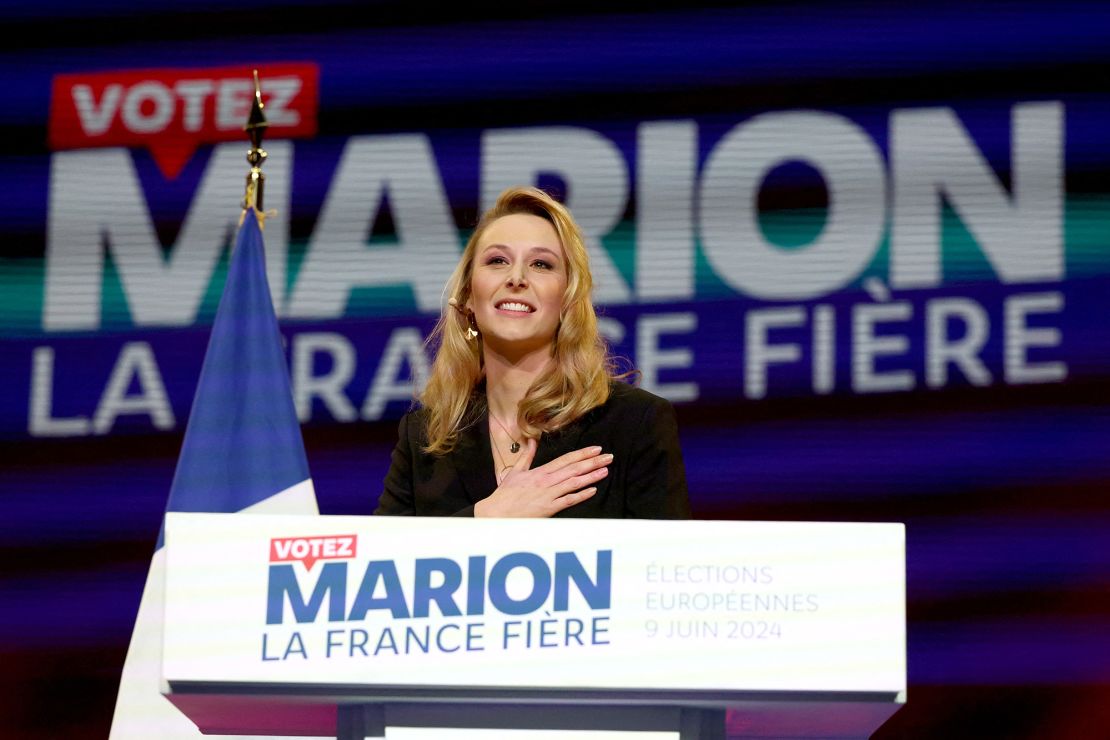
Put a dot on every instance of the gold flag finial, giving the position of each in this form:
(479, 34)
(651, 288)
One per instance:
(256, 128)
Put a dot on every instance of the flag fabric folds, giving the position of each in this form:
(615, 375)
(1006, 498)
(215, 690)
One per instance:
(242, 451)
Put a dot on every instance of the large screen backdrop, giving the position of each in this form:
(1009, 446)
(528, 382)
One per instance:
(864, 250)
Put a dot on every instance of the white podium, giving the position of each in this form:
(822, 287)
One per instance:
(343, 626)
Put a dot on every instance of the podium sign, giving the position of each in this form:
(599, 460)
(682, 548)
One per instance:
(327, 610)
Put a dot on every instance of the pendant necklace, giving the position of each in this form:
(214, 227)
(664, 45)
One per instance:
(504, 468)
(515, 446)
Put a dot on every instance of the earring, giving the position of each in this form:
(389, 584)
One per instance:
(471, 332)
(471, 326)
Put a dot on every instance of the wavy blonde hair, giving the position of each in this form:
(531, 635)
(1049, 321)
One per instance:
(576, 382)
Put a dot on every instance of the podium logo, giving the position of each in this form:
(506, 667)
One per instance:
(172, 111)
(308, 550)
(515, 584)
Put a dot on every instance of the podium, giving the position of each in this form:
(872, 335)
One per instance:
(346, 626)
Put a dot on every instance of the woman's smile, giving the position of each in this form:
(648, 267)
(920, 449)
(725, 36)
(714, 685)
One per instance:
(517, 285)
(514, 308)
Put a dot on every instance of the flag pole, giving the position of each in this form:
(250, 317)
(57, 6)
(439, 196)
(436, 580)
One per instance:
(256, 128)
(242, 451)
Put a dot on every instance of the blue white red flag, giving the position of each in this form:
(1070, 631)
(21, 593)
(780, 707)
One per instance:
(242, 451)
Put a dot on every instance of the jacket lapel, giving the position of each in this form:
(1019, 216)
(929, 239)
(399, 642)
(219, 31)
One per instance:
(473, 459)
(473, 456)
(555, 444)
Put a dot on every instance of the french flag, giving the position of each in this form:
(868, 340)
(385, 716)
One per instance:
(242, 452)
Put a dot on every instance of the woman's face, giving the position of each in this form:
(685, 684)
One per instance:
(517, 284)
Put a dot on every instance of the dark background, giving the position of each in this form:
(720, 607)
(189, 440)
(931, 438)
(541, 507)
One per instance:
(1002, 487)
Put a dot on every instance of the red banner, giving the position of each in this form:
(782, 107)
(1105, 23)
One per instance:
(310, 549)
(172, 111)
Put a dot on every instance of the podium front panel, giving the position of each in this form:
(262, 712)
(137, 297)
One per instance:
(445, 608)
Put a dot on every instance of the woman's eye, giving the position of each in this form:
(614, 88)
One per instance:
(496, 261)
(542, 265)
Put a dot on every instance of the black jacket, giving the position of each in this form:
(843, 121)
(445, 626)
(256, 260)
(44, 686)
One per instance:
(646, 479)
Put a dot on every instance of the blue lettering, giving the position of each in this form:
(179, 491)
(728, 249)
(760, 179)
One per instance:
(358, 641)
(508, 634)
(331, 642)
(265, 656)
(600, 630)
(386, 642)
(574, 631)
(541, 583)
(596, 593)
(443, 595)
(412, 636)
(296, 647)
(476, 585)
(474, 637)
(440, 581)
(283, 582)
(547, 633)
(385, 572)
(439, 638)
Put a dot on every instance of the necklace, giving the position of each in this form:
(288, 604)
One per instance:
(515, 446)
(504, 468)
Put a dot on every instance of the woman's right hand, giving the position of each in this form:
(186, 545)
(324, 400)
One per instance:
(550, 488)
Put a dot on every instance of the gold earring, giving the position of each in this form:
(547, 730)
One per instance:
(472, 327)
(471, 332)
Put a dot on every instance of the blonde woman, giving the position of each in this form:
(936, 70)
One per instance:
(523, 415)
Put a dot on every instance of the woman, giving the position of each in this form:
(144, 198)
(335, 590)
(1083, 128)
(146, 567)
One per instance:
(523, 414)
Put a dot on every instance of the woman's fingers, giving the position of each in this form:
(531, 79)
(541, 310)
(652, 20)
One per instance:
(558, 485)
(584, 470)
(580, 481)
(570, 499)
(582, 467)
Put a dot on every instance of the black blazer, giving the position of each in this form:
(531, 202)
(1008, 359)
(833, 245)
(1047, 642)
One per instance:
(646, 480)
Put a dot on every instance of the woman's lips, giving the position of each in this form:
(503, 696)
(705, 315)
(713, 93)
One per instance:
(514, 308)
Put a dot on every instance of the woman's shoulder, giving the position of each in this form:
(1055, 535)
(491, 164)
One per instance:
(414, 424)
(631, 416)
(416, 412)
(628, 400)
(622, 392)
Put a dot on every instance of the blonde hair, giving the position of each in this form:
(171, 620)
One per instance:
(576, 382)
